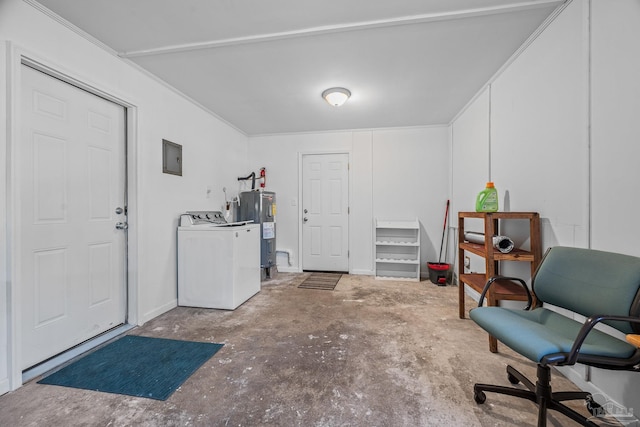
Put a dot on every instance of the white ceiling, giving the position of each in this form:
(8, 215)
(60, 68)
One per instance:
(261, 65)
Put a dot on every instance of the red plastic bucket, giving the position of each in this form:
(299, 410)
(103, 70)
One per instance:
(438, 272)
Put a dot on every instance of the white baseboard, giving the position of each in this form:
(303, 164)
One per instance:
(288, 270)
(363, 272)
(573, 374)
(158, 311)
(4, 386)
(472, 293)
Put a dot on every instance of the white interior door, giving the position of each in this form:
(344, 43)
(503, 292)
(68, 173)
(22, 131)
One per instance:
(71, 181)
(325, 218)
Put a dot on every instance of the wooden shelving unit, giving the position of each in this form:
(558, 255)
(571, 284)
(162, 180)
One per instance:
(397, 250)
(502, 289)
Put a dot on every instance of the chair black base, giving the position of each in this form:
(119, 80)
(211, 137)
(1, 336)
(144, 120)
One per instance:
(540, 394)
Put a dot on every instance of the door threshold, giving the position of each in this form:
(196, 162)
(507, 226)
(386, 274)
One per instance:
(325, 271)
(62, 358)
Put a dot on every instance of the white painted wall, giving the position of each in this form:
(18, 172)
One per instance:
(280, 156)
(539, 130)
(395, 174)
(4, 274)
(542, 156)
(410, 170)
(538, 108)
(214, 154)
(470, 154)
(469, 169)
(615, 125)
(361, 200)
(615, 131)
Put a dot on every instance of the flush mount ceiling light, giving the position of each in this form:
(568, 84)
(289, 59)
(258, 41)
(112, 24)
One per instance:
(336, 96)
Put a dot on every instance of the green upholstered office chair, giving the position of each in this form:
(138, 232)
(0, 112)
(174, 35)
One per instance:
(604, 287)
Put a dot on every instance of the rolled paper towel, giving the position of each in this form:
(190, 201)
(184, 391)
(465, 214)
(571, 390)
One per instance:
(501, 243)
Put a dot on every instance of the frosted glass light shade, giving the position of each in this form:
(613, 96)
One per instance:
(336, 96)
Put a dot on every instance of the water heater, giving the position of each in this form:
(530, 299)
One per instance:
(259, 206)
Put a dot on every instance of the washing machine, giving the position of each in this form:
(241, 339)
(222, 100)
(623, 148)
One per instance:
(218, 261)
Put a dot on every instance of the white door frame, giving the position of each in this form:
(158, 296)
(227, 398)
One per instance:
(15, 58)
(301, 154)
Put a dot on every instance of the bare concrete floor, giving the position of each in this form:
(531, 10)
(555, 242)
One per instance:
(369, 353)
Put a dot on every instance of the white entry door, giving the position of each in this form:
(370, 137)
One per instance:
(325, 207)
(71, 195)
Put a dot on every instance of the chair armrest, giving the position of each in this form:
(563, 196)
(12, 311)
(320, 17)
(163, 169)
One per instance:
(515, 279)
(634, 339)
(588, 325)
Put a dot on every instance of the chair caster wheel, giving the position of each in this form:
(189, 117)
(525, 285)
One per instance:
(479, 397)
(512, 379)
(593, 407)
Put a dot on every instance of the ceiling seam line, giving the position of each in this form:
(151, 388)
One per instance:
(332, 29)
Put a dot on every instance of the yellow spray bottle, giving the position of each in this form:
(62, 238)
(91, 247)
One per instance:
(487, 200)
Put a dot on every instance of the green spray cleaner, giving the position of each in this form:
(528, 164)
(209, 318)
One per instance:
(487, 200)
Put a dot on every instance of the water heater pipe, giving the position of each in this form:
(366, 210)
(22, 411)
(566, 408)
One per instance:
(285, 251)
(252, 177)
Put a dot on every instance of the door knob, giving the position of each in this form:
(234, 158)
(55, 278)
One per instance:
(306, 211)
(122, 225)
(305, 219)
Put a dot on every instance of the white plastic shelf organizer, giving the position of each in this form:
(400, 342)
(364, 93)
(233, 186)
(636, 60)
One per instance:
(397, 250)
